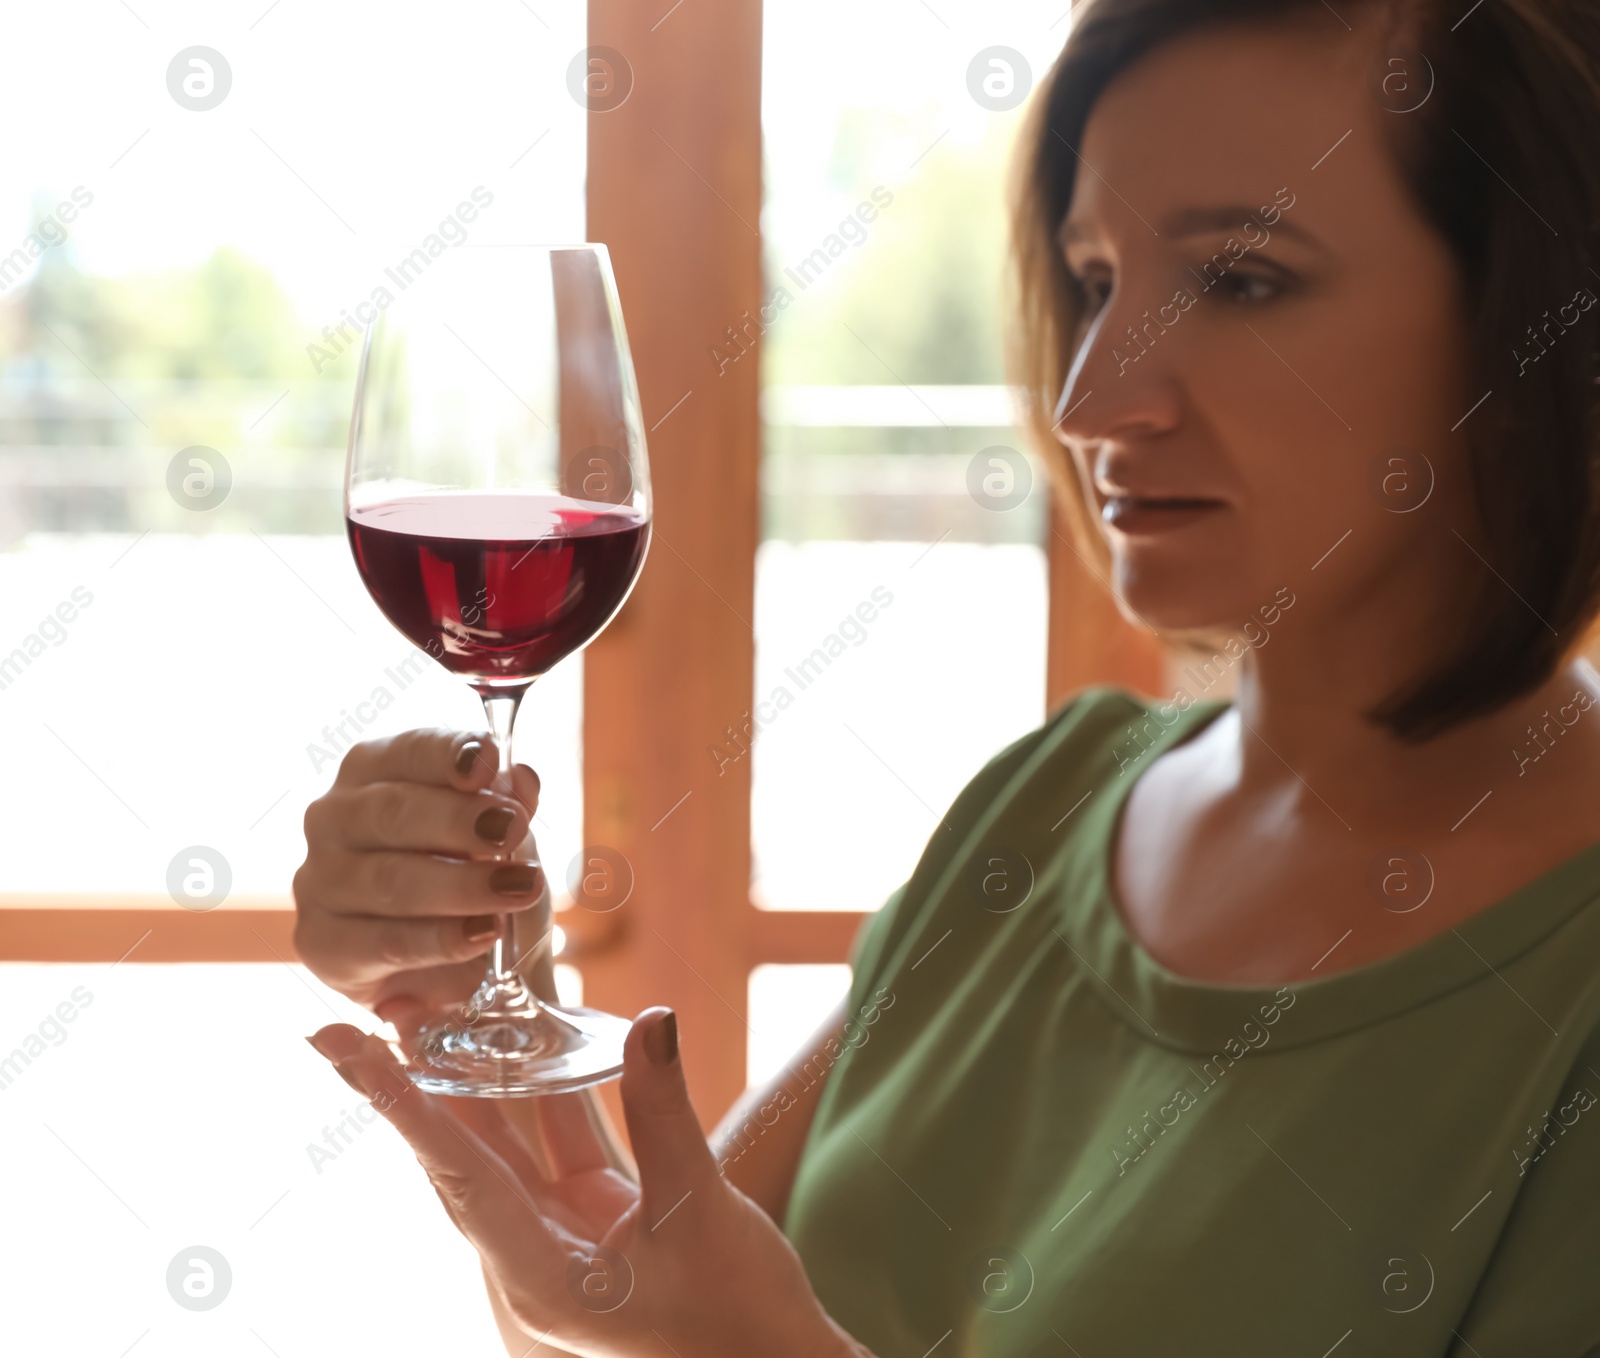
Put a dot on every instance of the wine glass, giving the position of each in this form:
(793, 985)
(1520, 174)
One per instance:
(497, 497)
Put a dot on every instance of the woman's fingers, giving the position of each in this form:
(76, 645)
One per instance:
(363, 949)
(411, 855)
(713, 1274)
(414, 997)
(567, 1135)
(411, 885)
(489, 1123)
(525, 787)
(673, 1157)
(464, 760)
(400, 815)
(582, 1206)
(467, 761)
(488, 1201)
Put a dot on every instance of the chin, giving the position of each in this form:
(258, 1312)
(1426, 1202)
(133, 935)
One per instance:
(1175, 593)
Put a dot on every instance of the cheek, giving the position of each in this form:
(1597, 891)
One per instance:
(1296, 469)
(1310, 402)
(1399, 352)
(1402, 353)
(1312, 491)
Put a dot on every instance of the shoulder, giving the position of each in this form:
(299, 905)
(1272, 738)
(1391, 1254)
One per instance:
(1089, 725)
(1097, 713)
(1089, 735)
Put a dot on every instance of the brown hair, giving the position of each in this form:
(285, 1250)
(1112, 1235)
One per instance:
(1517, 87)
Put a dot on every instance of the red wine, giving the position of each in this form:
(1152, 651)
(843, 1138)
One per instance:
(498, 585)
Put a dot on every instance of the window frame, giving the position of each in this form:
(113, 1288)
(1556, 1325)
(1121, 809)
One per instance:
(687, 142)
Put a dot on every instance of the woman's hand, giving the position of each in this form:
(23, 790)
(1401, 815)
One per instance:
(396, 899)
(582, 1257)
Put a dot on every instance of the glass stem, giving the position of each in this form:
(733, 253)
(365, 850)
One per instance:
(500, 707)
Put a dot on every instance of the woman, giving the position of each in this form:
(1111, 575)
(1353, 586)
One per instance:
(1203, 1027)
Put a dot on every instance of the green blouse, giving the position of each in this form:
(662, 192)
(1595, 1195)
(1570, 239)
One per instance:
(1035, 1140)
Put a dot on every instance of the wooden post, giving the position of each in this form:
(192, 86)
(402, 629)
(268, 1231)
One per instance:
(674, 191)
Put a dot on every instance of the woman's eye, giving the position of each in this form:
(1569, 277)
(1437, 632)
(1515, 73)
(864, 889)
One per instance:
(1094, 291)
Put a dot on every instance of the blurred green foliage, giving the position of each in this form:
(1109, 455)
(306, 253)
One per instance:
(228, 318)
(923, 292)
(103, 380)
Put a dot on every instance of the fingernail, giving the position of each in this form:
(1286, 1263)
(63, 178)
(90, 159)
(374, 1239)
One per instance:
(350, 1080)
(493, 824)
(478, 927)
(335, 1044)
(513, 879)
(468, 756)
(661, 1042)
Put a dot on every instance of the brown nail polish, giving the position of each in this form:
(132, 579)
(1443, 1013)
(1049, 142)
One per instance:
(513, 879)
(493, 824)
(350, 1080)
(661, 1042)
(468, 756)
(478, 927)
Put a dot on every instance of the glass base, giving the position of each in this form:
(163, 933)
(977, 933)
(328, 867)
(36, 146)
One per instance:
(507, 1043)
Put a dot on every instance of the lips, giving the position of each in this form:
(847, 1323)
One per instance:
(1131, 514)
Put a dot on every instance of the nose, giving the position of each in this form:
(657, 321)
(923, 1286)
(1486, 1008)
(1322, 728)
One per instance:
(1122, 383)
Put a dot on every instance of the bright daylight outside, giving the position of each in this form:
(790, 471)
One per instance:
(186, 650)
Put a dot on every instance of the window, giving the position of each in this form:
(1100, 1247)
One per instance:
(177, 682)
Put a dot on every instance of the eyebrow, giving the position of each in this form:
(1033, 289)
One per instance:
(1205, 221)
